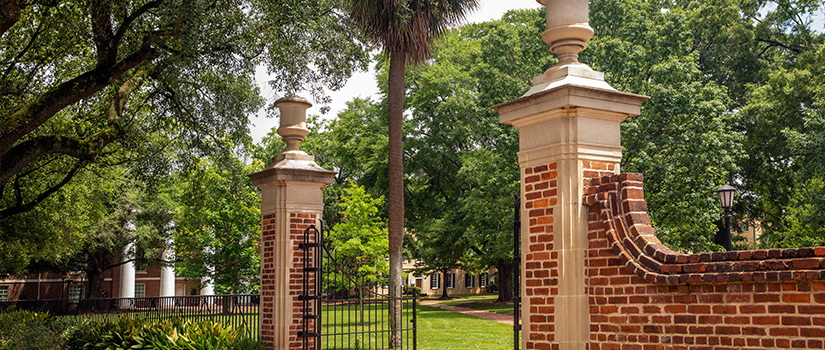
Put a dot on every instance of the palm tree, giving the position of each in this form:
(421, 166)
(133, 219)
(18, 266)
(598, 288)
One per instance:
(405, 30)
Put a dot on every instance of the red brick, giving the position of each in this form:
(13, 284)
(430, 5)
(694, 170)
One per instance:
(766, 298)
(796, 321)
(796, 298)
(689, 319)
(812, 332)
(786, 331)
(752, 309)
(728, 330)
(766, 320)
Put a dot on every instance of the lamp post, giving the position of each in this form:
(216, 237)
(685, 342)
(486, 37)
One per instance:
(726, 198)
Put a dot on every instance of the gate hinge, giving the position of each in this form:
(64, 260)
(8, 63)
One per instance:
(307, 335)
(307, 297)
(310, 269)
(308, 245)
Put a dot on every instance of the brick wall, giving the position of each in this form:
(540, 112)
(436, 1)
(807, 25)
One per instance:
(298, 222)
(540, 252)
(540, 275)
(643, 295)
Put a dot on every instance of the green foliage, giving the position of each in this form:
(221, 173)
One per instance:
(217, 227)
(27, 330)
(170, 334)
(152, 86)
(410, 290)
(359, 240)
(463, 168)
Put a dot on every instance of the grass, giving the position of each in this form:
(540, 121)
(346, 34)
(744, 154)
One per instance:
(447, 330)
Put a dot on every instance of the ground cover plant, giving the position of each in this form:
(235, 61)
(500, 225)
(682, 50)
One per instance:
(24, 330)
(169, 334)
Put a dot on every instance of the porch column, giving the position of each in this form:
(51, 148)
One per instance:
(167, 271)
(127, 275)
(569, 132)
(291, 201)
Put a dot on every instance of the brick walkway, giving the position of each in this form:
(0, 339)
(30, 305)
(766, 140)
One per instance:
(492, 316)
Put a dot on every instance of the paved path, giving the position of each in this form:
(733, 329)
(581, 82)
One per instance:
(492, 316)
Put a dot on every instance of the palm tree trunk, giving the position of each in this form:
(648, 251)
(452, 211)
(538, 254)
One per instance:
(395, 92)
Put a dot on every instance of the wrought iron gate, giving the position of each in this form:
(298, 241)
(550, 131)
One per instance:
(351, 309)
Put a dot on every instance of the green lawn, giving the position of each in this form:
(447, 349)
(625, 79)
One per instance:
(446, 330)
(437, 329)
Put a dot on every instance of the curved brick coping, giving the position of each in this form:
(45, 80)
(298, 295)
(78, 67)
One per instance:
(619, 202)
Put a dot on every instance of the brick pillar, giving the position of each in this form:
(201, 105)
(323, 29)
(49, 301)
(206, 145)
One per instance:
(569, 133)
(291, 201)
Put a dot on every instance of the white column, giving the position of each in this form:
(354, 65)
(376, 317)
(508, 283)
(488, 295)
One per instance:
(207, 287)
(127, 276)
(167, 274)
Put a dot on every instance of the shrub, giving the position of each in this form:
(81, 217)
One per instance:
(24, 330)
(170, 334)
(410, 289)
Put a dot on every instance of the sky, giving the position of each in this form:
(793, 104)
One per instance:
(362, 84)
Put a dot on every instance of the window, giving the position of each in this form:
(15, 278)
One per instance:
(482, 280)
(435, 281)
(76, 291)
(140, 290)
(4, 293)
(469, 280)
(450, 280)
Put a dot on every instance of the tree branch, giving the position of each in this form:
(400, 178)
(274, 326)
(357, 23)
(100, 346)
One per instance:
(101, 12)
(121, 31)
(21, 207)
(9, 14)
(26, 152)
(771, 43)
(26, 49)
(26, 119)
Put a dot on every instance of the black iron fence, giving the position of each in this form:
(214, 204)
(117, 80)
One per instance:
(351, 305)
(239, 311)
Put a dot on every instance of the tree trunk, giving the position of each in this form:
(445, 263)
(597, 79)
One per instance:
(444, 295)
(395, 201)
(95, 267)
(505, 280)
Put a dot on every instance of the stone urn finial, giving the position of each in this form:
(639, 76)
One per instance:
(293, 127)
(567, 34)
(567, 28)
